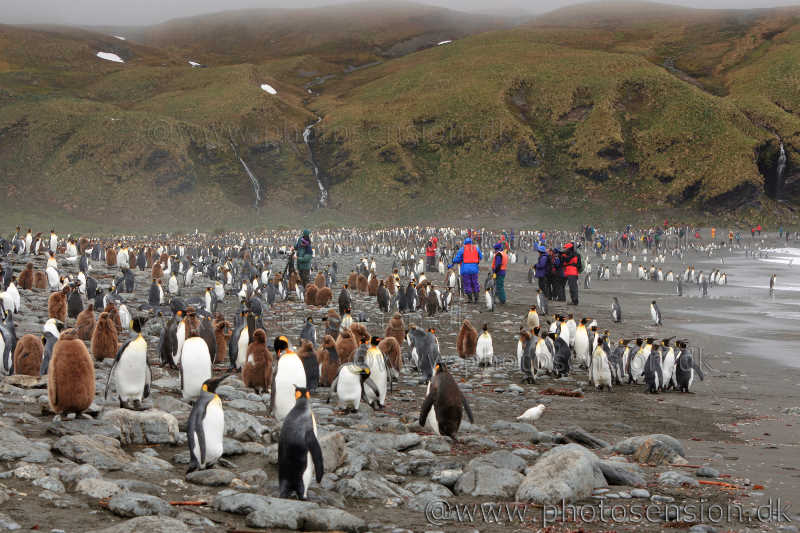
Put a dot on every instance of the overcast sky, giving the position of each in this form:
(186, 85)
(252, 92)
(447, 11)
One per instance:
(136, 12)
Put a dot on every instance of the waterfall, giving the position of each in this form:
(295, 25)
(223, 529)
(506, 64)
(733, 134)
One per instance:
(323, 192)
(781, 163)
(253, 180)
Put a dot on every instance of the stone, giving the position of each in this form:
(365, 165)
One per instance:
(640, 493)
(79, 472)
(129, 504)
(389, 441)
(567, 472)
(333, 450)
(135, 485)
(448, 478)
(655, 452)
(584, 438)
(7, 523)
(630, 445)
(332, 520)
(256, 477)
(616, 474)
(50, 483)
(29, 472)
(677, 479)
(13, 445)
(232, 447)
(101, 452)
(82, 426)
(211, 478)
(488, 480)
(504, 426)
(26, 382)
(243, 426)
(707, 471)
(370, 485)
(144, 427)
(149, 524)
(500, 459)
(97, 488)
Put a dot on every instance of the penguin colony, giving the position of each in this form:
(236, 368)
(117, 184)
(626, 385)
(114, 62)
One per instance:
(337, 352)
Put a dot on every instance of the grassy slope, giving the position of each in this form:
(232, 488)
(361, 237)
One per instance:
(574, 111)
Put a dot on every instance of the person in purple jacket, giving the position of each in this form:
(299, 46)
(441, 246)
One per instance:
(540, 270)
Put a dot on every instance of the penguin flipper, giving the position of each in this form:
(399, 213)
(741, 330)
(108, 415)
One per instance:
(371, 384)
(147, 380)
(467, 409)
(316, 455)
(114, 367)
(272, 392)
(388, 367)
(426, 408)
(333, 388)
(699, 372)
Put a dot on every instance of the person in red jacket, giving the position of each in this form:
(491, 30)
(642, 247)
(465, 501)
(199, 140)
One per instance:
(430, 254)
(571, 270)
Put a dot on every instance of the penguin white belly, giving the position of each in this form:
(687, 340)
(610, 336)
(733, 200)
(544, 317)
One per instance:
(308, 473)
(195, 366)
(173, 285)
(519, 354)
(52, 277)
(213, 429)
(131, 372)
(601, 372)
(291, 374)
(582, 347)
(431, 422)
(637, 366)
(484, 351)
(668, 368)
(348, 389)
(180, 335)
(379, 375)
(544, 358)
(244, 337)
(6, 363)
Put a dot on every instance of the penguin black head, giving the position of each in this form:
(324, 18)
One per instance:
(650, 340)
(486, 327)
(137, 323)
(301, 392)
(310, 320)
(653, 302)
(280, 343)
(374, 341)
(210, 385)
(440, 367)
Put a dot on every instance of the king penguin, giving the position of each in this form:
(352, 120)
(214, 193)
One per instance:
(194, 360)
(206, 426)
(655, 313)
(616, 310)
(298, 448)
(130, 369)
(447, 401)
(290, 374)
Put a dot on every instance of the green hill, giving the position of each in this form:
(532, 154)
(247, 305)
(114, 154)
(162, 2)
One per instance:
(596, 110)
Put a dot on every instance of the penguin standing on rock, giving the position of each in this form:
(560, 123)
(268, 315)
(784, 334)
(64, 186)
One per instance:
(447, 401)
(290, 374)
(206, 426)
(298, 448)
(194, 358)
(70, 382)
(132, 374)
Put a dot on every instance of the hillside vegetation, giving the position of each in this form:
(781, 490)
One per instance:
(601, 109)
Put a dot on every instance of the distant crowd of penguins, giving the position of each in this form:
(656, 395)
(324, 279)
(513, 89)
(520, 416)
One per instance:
(355, 365)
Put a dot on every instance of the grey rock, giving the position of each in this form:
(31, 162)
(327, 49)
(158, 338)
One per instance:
(13, 445)
(333, 450)
(83, 426)
(488, 480)
(437, 444)
(414, 467)
(702, 528)
(418, 487)
(448, 478)
(130, 504)
(660, 498)
(79, 472)
(332, 520)
(584, 438)
(170, 404)
(144, 427)
(232, 447)
(640, 493)
(7, 523)
(566, 472)
(367, 484)
(211, 478)
(247, 405)
(145, 462)
(390, 441)
(505, 426)
(499, 459)
(50, 483)
(630, 445)
(101, 452)
(256, 478)
(707, 471)
(29, 471)
(616, 474)
(150, 524)
(229, 393)
(97, 488)
(135, 485)
(243, 426)
(677, 479)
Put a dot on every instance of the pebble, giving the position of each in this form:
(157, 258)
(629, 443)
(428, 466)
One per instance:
(640, 493)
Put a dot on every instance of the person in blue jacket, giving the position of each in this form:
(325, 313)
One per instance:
(470, 257)
(540, 270)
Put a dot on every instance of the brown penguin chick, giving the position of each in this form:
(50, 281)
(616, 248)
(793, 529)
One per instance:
(352, 280)
(222, 334)
(191, 323)
(324, 296)
(345, 347)
(332, 323)
(157, 272)
(372, 287)
(111, 257)
(113, 314)
(396, 328)
(360, 333)
(361, 284)
(70, 380)
(319, 281)
(294, 280)
(258, 364)
(57, 305)
(467, 340)
(311, 294)
(391, 349)
(28, 355)
(104, 338)
(328, 360)
(39, 279)
(163, 258)
(83, 244)
(26, 277)
(84, 324)
(132, 258)
(390, 284)
(149, 253)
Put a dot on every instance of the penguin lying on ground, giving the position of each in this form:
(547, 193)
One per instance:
(298, 448)
(447, 401)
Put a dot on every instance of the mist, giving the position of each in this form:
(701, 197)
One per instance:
(147, 12)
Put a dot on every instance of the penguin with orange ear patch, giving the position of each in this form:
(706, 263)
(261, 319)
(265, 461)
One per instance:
(467, 341)
(328, 360)
(345, 346)
(28, 356)
(26, 277)
(104, 338)
(70, 382)
(84, 324)
(57, 305)
(257, 368)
